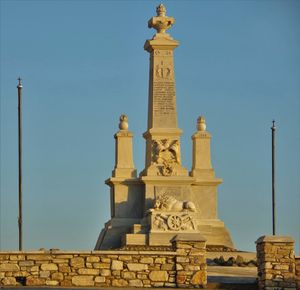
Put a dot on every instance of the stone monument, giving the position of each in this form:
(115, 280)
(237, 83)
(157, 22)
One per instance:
(166, 199)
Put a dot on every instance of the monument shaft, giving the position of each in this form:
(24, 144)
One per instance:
(162, 93)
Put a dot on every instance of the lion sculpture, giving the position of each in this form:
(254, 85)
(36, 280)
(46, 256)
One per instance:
(166, 202)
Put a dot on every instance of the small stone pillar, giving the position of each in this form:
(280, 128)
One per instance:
(202, 167)
(124, 166)
(191, 268)
(276, 263)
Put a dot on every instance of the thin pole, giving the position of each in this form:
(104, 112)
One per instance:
(20, 218)
(273, 128)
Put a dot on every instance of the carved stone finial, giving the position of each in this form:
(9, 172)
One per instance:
(161, 22)
(161, 10)
(123, 125)
(201, 124)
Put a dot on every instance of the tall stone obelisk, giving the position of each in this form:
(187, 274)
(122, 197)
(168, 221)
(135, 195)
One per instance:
(162, 137)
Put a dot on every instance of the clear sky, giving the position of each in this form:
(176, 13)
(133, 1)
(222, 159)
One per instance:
(83, 64)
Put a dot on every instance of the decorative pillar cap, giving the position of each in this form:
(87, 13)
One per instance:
(123, 125)
(201, 124)
(275, 239)
(161, 22)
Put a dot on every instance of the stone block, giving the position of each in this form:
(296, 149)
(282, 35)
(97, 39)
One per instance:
(9, 281)
(51, 283)
(9, 267)
(199, 278)
(135, 283)
(26, 263)
(146, 260)
(44, 274)
(160, 260)
(142, 276)
(77, 262)
(182, 259)
(4, 257)
(281, 267)
(101, 265)
(116, 273)
(93, 259)
(100, 279)
(84, 271)
(129, 275)
(57, 276)
(17, 257)
(125, 258)
(83, 281)
(158, 284)
(105, 272)
(35, 281)
(42, 257)
(66, 283)
(60, 261)
(49, 267)
(106, 260)
(170, 285)
(137, 267)
(64, 268)
(168, 267)
(119, 283)
(158, 276)
(180, 279)
(116, 265)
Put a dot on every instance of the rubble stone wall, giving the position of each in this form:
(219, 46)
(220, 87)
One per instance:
(184, 266)
(276, 263)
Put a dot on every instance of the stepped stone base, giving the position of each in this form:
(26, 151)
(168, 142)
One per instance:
(122, 232)
(111, 236)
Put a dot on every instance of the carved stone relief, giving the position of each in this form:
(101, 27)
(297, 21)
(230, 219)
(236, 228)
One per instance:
(166, 155)
(166, 202)
(173, 222)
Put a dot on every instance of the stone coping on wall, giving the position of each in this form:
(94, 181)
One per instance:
(275, 239)
(104, 252)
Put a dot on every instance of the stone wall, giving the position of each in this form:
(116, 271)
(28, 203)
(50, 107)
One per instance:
(297, 263)
(276, 263)
(183, 267)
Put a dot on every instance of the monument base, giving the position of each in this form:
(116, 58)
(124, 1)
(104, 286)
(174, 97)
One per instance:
(213, 231)
(111, 235)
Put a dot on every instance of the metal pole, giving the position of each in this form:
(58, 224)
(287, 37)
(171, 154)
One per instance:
(273, 128)
(20, 218)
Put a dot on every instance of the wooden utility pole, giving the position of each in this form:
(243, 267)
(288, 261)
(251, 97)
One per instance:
(20, 218)
(273, 128)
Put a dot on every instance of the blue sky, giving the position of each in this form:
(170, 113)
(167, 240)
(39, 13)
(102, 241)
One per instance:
(83, 64)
